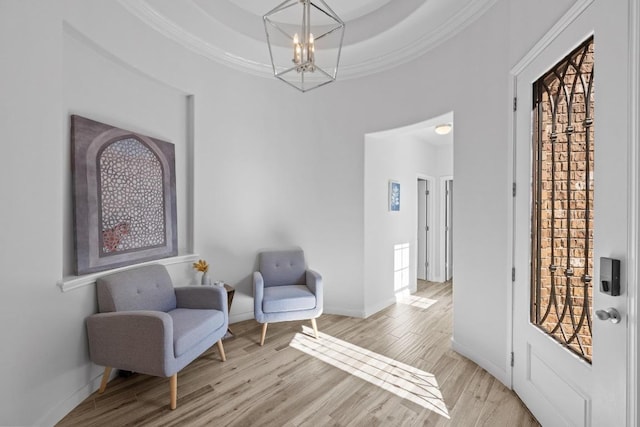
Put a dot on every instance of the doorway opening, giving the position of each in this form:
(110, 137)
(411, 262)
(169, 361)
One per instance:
(425, 232)
(447, 228)
(401, 165)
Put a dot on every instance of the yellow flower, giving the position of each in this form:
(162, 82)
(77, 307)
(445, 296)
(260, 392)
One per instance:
(201, 265)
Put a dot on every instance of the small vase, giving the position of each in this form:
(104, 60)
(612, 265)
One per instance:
(206, 280)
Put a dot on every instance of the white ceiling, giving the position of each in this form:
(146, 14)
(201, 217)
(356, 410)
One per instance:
(347, 10)
(379, 35)
(422, 131)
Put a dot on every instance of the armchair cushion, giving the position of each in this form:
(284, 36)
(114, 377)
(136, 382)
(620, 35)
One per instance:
(190, 326)
(146, 288)
(280, 268)
(284, 298)
(204, 297)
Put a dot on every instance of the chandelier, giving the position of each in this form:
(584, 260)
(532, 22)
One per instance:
(302, 56)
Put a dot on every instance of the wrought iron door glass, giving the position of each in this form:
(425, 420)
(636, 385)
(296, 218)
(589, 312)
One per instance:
(563, 189)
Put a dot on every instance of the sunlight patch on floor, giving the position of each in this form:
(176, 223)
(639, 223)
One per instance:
(398, 378)
(406, 298)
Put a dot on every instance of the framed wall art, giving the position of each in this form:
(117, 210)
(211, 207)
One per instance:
(124, 196)
(394, 196)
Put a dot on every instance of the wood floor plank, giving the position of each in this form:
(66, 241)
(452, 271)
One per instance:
(469, 406)
(361, 372)
(502, 409)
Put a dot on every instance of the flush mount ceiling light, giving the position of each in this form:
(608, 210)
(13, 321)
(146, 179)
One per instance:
(302, 56)
(444, 128)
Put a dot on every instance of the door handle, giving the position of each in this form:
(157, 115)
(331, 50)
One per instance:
(610, 313)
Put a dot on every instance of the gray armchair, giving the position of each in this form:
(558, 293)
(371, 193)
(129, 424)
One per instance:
(146, 325)
(284, 289)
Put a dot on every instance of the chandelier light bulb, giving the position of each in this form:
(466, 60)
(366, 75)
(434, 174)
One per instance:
(297, 50)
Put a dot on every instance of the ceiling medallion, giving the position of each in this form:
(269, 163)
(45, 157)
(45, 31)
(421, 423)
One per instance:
(303, 56)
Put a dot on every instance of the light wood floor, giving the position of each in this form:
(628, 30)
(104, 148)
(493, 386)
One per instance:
(400, 348)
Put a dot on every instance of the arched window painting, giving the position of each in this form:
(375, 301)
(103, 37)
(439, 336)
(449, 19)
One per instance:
(131, 197)
(124, 194)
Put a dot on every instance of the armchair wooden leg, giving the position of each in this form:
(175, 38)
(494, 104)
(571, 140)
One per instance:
(221, 349)
(105, 379)
(173, 386)
(264, 333)
(315, 327)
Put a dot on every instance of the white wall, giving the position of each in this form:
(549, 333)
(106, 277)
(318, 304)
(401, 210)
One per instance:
(272, 168)
(445, 160)
(34, 316)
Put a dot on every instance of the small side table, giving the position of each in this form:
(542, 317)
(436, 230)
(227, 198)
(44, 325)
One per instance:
(230, 293)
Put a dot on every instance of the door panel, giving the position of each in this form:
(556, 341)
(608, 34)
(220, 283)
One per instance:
(565, 399)
(422, 232)
(448, 229)
(558, 386)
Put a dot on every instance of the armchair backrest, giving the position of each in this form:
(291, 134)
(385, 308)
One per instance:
(143, 288)
(283, 267)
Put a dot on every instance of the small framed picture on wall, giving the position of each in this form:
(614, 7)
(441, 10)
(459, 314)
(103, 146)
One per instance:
(394, 196)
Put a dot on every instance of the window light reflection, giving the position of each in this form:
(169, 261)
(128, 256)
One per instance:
(398, 378)
(406, 298)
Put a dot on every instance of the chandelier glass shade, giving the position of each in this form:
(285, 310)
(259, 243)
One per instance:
(303, 56)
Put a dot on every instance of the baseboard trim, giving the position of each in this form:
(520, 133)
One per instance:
(374, 308)
(240, 317)
(499, 373)
(342, 311)
(57, 413)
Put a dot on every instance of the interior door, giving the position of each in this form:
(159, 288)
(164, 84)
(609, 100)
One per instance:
(448, 229)
(568, 370)
(423, 229)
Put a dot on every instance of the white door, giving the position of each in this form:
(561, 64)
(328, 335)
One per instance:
(556, 383)
(423, 229)
(448, 218)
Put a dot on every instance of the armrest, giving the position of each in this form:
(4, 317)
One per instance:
(258, 296)
(202, 297)
(314, 283)
(139, 341)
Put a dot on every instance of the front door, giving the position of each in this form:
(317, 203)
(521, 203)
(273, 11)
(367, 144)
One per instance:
(565, 359)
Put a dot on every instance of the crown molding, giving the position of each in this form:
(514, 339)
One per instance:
(371, 64)
(428, 41)
(148, 15)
